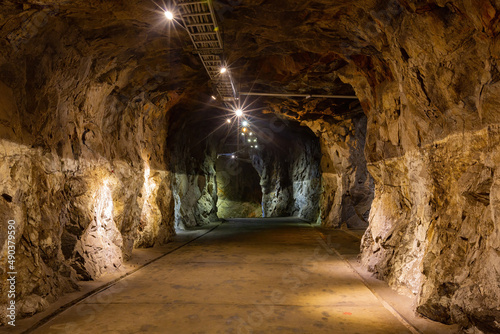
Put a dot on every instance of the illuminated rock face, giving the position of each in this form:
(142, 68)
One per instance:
(434, 230)
(288, 165)
(426, 74)
(83, 129)
(76, 219)
(432, 149)
(346, 192)
(238, 189)
(191, 151)
(347, 186)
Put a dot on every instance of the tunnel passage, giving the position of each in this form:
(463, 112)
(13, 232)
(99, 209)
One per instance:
(191, 150)
(270, 168)
(91, 146)
(312, 167)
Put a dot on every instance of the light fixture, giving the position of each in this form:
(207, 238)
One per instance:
(223, 70)
(244, 129)
(242, 133)
(256, 146)
(239, 112)
(244, 123)
(228, 120)
(251, 133)
(233, 156)
(169, 15)
(249, 140)
(255, 140)
(213, 97)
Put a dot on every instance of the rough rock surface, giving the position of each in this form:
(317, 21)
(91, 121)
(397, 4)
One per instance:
(347, 187)
(192, 154)
(288, 164)
(238, 189)
(427, 76)
(433, 227)
(83, 126)
(431, 147)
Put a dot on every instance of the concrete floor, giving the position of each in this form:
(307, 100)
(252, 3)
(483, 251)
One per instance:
(245, 276)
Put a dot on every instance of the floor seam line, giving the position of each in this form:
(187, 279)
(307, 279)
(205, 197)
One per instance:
(109, 284)
(386, 305)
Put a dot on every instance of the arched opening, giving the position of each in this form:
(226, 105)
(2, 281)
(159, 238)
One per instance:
(239, 193)
(269, 167)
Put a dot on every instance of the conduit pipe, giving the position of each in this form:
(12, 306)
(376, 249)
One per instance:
(307, 96)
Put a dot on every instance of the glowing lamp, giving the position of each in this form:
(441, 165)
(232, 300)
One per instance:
(223, 70)
(169, 15)
(244, 123)
(239, 112)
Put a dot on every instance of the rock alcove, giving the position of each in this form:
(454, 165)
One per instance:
(106, 133)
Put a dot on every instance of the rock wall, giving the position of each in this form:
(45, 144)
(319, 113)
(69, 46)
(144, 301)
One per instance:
(276, 183)
(238, 189)
(347, 188)
(431, 90)
(77, 217)
(434, 230)
(83, 128)
(192, 151)
(306, 178)
(347, 193)
(195, 196)
(288, 165)
(427, 76)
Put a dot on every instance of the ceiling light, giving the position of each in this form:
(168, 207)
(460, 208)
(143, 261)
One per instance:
(251, 133)
(249, 140)
(169, 15)
(213, 97)
(233, 156)
(242, 133)
(239, 112)
(223, 70)
(244, 129)
(256, 146)
(228, 120)
(255, 140)
(244, 123)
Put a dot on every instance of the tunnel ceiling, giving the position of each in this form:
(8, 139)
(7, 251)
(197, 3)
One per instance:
(288, 46)
(272, 46)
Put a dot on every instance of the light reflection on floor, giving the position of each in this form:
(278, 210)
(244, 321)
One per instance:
(244, 277)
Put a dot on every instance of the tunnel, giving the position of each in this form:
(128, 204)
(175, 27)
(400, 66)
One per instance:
(249, 166)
